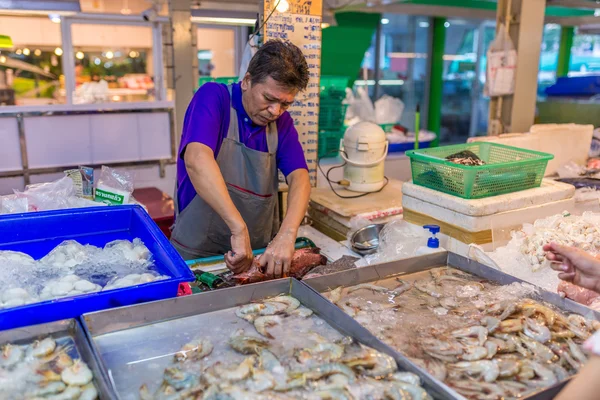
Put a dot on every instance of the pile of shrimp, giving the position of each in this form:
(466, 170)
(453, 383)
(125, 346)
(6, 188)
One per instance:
(485, 341)
(271, 368)
(44, 369)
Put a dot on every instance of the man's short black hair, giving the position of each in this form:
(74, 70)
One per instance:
(282, 61)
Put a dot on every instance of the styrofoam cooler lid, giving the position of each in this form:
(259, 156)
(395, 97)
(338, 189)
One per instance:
(549, 191)
(364, 132)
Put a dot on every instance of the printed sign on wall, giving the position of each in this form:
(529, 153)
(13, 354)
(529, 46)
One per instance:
(301, 25)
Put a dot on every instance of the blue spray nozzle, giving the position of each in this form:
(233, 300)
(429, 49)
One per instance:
(433, 242)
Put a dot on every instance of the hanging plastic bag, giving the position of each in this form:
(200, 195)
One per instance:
(251, 48)
(501, 65)
(388, 110)
(114, 186)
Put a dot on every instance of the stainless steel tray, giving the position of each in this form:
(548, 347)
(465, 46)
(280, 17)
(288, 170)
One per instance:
(106, 327)
(423, 263)
(60, 329)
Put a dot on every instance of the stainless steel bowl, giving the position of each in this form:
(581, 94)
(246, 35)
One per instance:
(366, 240)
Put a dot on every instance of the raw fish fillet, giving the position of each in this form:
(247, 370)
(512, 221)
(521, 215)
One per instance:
(577, 293)
(302, 262)
(343, 264)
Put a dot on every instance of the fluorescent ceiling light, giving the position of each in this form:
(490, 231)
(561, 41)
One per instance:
(385, 21)
(224, 21)
(42, 7)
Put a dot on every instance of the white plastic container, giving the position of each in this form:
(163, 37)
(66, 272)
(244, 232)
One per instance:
(364, 149)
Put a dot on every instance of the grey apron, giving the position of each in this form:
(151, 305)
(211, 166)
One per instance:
(252, 182)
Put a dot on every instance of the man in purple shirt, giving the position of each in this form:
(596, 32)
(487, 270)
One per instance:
(234, 140)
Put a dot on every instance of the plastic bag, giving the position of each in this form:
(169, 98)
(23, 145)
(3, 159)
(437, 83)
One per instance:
(388, 110)
(501, 65)
(362, 106)
(570, 170)
(398, 239)
(50, 195)
(249, 51)
(13, 204)
(114, 186)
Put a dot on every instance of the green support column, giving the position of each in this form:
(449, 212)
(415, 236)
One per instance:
(564, 51)
(436, 83)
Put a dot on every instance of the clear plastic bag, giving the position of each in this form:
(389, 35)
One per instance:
(388, 110)
(114, 186)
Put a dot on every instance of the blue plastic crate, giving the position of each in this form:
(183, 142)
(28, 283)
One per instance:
(402, 147)
(38, 233)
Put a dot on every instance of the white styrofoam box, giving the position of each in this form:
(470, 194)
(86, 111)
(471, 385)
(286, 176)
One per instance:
(472, 223)
(53, 141)
(10, 153)
(568, 142)
(549, 191)
(155, 138)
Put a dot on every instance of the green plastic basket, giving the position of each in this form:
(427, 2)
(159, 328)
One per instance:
(329, 143)
(332, 115)
(508, 169)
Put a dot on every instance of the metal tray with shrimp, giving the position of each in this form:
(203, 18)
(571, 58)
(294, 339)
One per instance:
(51, 360)
(189, 346)
(436, 321)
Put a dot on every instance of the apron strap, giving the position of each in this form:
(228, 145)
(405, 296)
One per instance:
(272, 137)
(234, 131)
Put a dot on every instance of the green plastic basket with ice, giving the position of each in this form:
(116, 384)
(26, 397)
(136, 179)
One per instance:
(507, 169)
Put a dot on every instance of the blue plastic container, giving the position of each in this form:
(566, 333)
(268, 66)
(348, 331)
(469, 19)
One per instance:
(38, 233)
(402, 147)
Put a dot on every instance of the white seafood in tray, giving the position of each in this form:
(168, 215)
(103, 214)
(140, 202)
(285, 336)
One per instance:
(73, 269)
(44, 369)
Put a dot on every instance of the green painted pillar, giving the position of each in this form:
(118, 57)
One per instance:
(564, 51)
(436, 82)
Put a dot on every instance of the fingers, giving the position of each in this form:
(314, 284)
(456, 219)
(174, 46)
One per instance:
(278, 269)
(286, 268)
(271, 269)
(567, 276)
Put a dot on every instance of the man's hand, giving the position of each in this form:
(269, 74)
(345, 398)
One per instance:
(240, 258)
(574, 266)
(279, 253)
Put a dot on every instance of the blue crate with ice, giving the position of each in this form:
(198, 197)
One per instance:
(61, 264)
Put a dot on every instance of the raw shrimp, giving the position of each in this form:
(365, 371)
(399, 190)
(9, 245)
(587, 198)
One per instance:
(262, 323)
(407, 377)
(415, 392)
(249, 311)
(368, 286)
(247, 344)
(428, 287)
(404, 287)
(78, 374)
(291, 302)
(488, 370)
(195, 350)
(374, 364)
(474, 331)
(10, 355)
(536, 331)
(336, 294)
(179, 379)
(539, 351)
(474, 353)
(302, 312)
(237, 374)
(42, 348)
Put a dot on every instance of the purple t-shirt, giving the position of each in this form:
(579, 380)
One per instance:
(207, 122)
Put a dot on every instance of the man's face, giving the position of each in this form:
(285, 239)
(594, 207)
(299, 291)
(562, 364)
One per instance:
(266, 101)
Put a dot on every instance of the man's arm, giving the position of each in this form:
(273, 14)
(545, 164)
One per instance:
(585, 386)
(209, 184)
(278, 256)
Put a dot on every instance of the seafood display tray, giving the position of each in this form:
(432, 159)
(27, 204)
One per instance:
(61, 329)
(419, 264)
(38, 233)
(154, 331)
